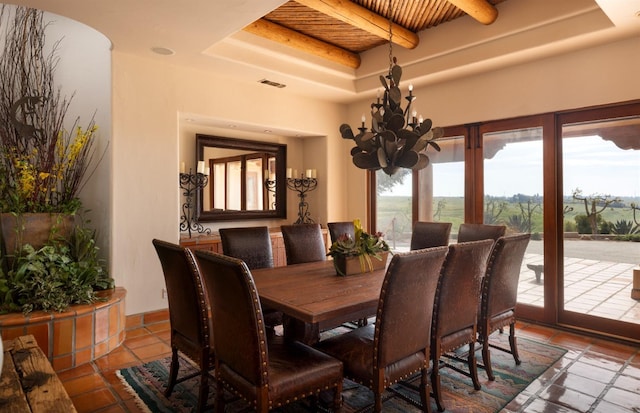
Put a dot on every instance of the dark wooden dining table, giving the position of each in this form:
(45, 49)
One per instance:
(314, 298)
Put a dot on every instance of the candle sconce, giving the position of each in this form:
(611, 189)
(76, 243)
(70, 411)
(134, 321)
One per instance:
(303, 185)
(270, 186)
(190, 183)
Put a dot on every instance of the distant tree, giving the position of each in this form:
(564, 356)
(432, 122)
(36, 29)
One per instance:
(441, 205)
(386, 182)
(493, 209)
(594, 205)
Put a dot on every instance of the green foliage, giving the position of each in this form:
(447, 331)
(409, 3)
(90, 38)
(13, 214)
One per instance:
(55, 276)
(623, 227)
(363, 243)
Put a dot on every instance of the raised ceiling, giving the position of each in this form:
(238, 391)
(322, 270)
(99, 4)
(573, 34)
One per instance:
(339, 30)
(210, 36)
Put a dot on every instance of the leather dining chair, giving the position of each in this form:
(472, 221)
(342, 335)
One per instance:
(499, 295)
(397, 346)
(253, 246)
(477, 232)
(455, 310)
(189, 316)
(337, 229)
(250, 244)
(303, 243)
(267, 374)
(430, 234)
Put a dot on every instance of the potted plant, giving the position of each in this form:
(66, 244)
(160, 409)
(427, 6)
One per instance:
(363, 253)
(43, 167)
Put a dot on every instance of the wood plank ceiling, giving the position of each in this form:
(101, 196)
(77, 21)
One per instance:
(339, 30)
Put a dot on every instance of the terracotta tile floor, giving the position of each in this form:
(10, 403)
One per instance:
(595, 375)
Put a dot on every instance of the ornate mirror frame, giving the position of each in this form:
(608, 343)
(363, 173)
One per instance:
(280, 152)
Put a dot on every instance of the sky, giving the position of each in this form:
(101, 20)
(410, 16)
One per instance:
(594, 165)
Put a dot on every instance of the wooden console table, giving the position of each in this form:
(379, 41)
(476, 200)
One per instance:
(28, 382)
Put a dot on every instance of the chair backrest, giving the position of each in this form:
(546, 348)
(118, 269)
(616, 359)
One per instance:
(250, 244)
(477, 232)
(239, 336)
(500, 283)
(336, 229)
(186, 296)
(403, 319)
(303, 243)
(456, 304)
(430, 234)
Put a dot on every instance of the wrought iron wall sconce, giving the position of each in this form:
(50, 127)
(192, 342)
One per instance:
(190, 183)
(303, 185)
(270, 186)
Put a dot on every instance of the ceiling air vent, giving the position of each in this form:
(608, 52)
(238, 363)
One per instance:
(270, 83)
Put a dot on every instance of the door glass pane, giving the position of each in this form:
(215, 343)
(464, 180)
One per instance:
(601, 189)
(253, 184)
(219, 187)
(393, 208)
(234, 191)
(513, 188)
(442, 184)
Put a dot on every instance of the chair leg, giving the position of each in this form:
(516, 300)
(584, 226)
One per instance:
(424, 392)
(473, 367)
(203, 394)
(513, 344)
(377, 407)
(219, 403)
(173, 371)
(337, 398)
(435, 384)
(486, 359)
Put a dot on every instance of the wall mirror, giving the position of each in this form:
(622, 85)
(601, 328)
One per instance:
(246, 179)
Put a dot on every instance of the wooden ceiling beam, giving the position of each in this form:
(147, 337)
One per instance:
(283, 35)
(365, 19)
(481, 10)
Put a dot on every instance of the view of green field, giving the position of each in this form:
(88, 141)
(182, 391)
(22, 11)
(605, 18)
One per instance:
(394, 214)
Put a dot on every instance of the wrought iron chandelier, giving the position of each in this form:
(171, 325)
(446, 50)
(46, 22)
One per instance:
(398, 138)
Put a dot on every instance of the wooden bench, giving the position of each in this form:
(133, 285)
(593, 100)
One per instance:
(28, 382)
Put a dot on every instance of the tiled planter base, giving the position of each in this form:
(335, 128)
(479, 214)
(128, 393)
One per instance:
(74, 337)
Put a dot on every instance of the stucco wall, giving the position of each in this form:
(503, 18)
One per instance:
(149, 143)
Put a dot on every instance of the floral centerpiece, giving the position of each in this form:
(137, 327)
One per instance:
(43, 167)
(370, 250)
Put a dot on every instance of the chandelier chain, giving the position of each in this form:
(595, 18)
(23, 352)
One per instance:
(390, 37)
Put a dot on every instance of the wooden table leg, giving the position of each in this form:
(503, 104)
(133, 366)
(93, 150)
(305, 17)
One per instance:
(295, 329)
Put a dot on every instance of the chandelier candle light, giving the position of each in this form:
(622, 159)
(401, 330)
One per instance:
(190, 183)
(398, 137)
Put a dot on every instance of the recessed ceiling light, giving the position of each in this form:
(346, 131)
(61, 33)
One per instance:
(162, 50)
(267, 131)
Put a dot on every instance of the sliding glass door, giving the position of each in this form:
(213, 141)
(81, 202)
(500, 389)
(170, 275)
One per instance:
(511, 183)
(601, 197)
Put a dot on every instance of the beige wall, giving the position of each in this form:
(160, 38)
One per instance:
(149, 142)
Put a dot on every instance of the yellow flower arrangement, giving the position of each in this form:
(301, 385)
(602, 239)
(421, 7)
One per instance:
(363, 245)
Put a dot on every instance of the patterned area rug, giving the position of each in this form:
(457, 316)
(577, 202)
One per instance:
(148, 381)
